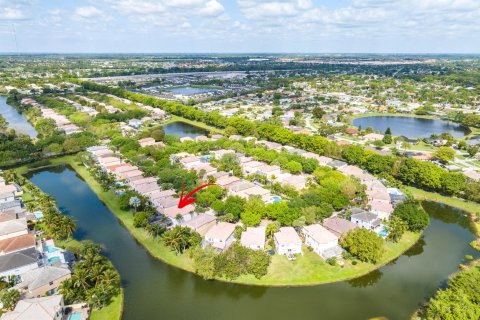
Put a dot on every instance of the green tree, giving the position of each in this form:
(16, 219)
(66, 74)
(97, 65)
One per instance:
(253, 212)
(413, 214)
(396, 227)
(444, 154)
(9, 298)
(364, 244)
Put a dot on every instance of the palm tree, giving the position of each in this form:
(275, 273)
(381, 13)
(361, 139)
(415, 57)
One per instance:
(96, 272)
(173, 240)
(134, 202)
(80, 278)
(110, 277)
(67, 226)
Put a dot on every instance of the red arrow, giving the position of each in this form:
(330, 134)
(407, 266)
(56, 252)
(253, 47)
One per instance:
(185, 201)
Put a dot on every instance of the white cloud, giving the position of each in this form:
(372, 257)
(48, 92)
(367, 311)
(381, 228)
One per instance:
(11, 14)
(211, 9)
(88, 12)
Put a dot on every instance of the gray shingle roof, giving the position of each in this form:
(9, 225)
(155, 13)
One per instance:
(42, 276)
(18, 259)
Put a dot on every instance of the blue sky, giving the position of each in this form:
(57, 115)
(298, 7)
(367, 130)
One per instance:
(394, 26)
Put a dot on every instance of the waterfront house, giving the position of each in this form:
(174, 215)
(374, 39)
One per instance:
(121, 171)
(42, 281)
(44, 308)
(177, 215)
(339, 226)
(16, 263)
(287, 241)
(142, 182)
(365, 219)
(372, 137)
(201, 223)
(108, 161)
(16, 244)
(220, 236)
(13, 228)
(381, 208)
(133, 175)
(322, 241)
(254, 238)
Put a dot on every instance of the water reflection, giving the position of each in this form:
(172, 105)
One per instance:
(416, 249)
(367, 280)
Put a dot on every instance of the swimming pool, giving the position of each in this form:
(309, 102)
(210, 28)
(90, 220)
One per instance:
(53, 259)
(276, 199)
(50, 249)
(383, 233)
(75, 316)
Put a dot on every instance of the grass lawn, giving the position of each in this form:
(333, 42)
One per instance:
(465, 205)
(193, 123)
(309, 269)
(111, 312)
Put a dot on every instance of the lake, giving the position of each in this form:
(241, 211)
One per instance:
(183, 129)
(154, 290)
(15, 119)
(411, 127)
(190, 91)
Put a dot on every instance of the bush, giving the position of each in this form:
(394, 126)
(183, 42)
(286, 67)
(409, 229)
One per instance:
(332, 261)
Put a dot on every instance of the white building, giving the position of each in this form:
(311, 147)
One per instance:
(287, 241)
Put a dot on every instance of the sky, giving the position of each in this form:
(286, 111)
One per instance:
(240, 26)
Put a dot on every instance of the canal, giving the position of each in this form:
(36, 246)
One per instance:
(411, 127)
(15, 119)
(154, 290)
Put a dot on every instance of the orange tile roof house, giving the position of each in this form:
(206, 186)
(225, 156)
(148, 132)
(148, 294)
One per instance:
(17, 244)
(220, 236)
(287, 241)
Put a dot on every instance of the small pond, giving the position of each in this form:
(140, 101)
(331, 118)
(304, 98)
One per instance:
(183, 129)
(15, 119)
(411, 127)
(190, 91)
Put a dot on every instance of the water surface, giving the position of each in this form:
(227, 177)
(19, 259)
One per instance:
(183, 129)
(190, 91)
(15, 119)
(154, 290)
(411, 127)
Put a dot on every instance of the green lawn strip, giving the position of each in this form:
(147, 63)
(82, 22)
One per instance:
(465, 205)
(193, 123)
(111, 312)
(309, 269)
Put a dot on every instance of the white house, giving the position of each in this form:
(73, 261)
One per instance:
(220, 236)
(287, 241)
(44, 308)
(320, 239)
(365, 219)
(254, 238)
(19, 262)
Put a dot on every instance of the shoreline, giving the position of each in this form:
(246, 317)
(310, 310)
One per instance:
(158, 251)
